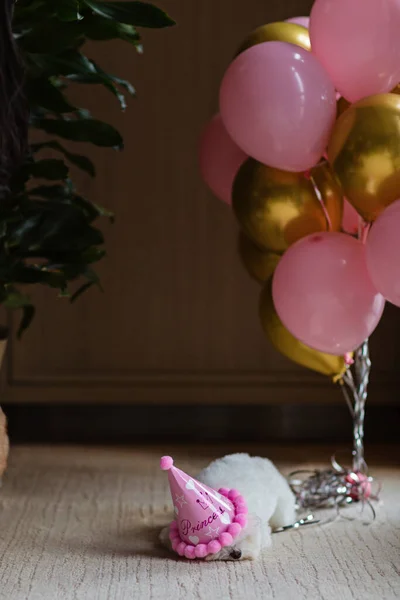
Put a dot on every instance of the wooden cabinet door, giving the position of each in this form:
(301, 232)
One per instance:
(177, 321)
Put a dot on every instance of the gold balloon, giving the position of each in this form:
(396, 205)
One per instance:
(278, 32)
(275, 208)
(259, 265)
(331, 193)
(364, 152)
(291, 347)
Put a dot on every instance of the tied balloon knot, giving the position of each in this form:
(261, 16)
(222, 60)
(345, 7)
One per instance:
(360, 486)
(348, 359)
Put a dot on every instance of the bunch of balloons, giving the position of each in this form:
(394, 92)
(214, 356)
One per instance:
(306, 149)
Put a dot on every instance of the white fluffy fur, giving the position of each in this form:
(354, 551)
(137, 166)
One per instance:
(270, 501)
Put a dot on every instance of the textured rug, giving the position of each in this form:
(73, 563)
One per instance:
(82, 523)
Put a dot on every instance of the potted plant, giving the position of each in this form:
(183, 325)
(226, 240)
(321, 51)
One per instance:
(48, 232)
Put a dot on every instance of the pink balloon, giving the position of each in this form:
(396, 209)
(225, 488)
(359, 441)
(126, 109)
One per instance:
(383, 253)
(278, 104)
(303, 21)
(324, 295)
(358, 43)
(351, 218)
(220, 159)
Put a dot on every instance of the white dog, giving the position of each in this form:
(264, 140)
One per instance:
(269, 498)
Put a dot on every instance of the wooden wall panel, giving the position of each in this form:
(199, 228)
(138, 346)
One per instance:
(178, 320)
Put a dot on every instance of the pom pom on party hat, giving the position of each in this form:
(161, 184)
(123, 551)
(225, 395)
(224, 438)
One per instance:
(206, 520)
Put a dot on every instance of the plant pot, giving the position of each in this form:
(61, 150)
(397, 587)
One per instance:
(4, 445)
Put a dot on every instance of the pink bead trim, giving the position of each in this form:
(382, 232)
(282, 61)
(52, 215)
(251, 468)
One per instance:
(225, 539)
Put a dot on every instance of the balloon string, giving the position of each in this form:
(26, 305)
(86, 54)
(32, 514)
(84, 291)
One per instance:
(355, 391)
(347, 396)
(321, 201)
(363, 230)
(358, 387)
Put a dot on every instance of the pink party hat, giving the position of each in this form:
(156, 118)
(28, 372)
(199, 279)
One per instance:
(206, 520)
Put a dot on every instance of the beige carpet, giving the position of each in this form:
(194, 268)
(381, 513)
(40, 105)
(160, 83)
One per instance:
(82, 524)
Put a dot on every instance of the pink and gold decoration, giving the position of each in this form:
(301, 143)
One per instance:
(318, 197)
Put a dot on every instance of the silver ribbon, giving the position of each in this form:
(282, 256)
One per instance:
(338, 486)
(309, 520)
(355, 390)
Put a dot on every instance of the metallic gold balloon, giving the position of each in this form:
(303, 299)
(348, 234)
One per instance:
(364, 152)
(275, 208)
(278, 32)
(331, 193)
(291, 347)
(259, 265)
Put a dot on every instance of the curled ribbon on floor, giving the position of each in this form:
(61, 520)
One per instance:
(334, 487)
(309, 520)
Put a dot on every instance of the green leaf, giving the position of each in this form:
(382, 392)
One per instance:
(67, 10)
(47, 168)
(84, 163)
(77, 67)
(141, 14)
(68, 62)
(90, 210)
(16, 299)
(92, 275)
(65, 194)
(27, 14)
(27, 318)
(107, 82)
(33, 11)
(43, 93)
(98, 76)
(122, 82)
(49, 228)
(31, 274)
(92, 255)
(104, 212)
(51, 36)
(50, 192)
(52, 223)
(83, 130)
(3, 292)
(3, 228)
(81, 290)
(99, 29)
